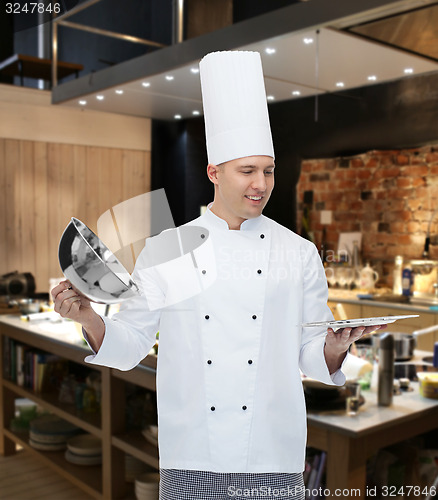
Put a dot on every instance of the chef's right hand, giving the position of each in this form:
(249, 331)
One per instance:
(71, 304)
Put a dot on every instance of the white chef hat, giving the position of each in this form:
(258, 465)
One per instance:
(235, 108)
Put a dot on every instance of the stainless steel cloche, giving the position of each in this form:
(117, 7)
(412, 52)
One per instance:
(92, 268)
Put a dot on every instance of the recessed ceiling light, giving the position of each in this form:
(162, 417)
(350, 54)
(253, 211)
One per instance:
(119, 91)
(270, 98)
(146, 84)
(308, 41)
(177, 117)
(82, 102)
(372, 78)
(408, 71)
(270, 50)
(194, 70)
(196, 112)
(296, 92)
(169, 78)
(100, 97)
(340, 84)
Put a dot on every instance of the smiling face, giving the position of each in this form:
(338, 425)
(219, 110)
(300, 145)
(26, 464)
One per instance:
(242, 188)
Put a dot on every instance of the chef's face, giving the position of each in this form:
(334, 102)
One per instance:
(242, 188)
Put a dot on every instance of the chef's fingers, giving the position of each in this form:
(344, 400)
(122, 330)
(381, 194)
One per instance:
(66, 309)
(357, 333)
(61, 297)
(374, 328)
(63, 285)
(341, 332)
(346, 336)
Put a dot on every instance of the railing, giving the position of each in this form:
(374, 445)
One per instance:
(61, 20)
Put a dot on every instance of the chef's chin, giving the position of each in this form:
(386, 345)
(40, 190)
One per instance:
(253, 212)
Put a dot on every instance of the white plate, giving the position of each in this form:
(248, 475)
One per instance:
(80, 460)
(85, 445)
(46, 446)
(351, 323)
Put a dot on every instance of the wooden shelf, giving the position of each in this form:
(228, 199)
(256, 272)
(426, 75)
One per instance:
(88, 478)
(22, 332)
(104, 481)
(136, 445)
(143, 376)
(26, 66)
(87, 421)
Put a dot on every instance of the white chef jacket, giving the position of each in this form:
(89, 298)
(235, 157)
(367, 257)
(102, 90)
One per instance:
(229, 390)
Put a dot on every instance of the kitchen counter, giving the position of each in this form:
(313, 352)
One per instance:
(346, 305)
(350, 440)
(53, 327)
(351, 297)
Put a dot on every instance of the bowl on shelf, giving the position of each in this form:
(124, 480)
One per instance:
(29, 306)
(147, 486)
(150, 433)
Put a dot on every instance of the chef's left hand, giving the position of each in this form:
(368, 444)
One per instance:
(338, 342)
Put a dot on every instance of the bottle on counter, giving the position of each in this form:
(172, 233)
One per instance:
(385, 381)
(435, 355)
(397, 288)
(356, 264)
(407, 280)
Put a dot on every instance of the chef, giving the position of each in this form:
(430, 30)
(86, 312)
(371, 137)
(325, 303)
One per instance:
(231, 410)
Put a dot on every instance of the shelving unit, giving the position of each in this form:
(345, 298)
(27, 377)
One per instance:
(102, 482)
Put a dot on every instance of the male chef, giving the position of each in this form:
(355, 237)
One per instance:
(231, 410)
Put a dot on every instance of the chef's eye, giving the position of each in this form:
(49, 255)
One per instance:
(269, 172)
(247, 172)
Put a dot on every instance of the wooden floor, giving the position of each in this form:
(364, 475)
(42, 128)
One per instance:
(23, 477)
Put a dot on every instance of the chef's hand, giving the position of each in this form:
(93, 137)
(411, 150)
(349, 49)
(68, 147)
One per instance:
(71, 304)
(338, 342)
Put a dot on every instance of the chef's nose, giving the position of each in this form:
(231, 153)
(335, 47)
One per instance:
(259, 181)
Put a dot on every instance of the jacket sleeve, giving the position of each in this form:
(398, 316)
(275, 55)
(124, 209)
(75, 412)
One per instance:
(131, 333)
(315, 308)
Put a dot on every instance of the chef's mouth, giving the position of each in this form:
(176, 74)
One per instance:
(254, 198)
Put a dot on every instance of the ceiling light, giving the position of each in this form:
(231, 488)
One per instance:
(270, 98)
(308, 41)
(296, 92)
(82, 103)
(119, 91)
(100, 97)
(408, 71)
(372, 78)
(169, 78)
(146, 84)
(194, 70)
(196, 112)
(340, 84)
(177, 117)
(270, 50)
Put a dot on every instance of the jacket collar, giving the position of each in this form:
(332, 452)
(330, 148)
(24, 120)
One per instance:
(247, 225)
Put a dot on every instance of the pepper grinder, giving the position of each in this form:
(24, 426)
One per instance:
(386, 370)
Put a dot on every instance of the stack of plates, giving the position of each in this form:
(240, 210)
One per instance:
(150, 433)
(50, 433)
(84, 449)
(133, 468)
(146, 486)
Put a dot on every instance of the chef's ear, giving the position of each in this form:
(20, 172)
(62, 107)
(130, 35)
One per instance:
(212, 171)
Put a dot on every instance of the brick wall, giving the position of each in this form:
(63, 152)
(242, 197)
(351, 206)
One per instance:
(389, 196)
